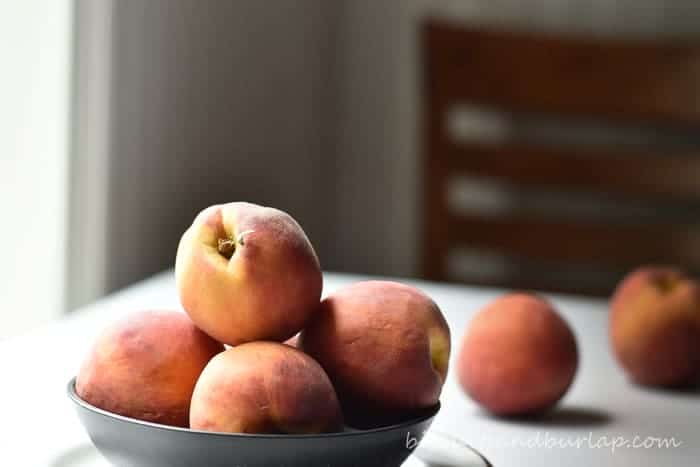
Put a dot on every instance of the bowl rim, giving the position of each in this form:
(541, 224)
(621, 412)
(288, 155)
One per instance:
(462, 444)
(73, 395)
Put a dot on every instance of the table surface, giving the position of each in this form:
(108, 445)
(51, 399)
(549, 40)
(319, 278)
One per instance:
(39, 427)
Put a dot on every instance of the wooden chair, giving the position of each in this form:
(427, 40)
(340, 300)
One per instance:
(646, 84)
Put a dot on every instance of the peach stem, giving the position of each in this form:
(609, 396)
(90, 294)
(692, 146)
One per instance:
(226, 247)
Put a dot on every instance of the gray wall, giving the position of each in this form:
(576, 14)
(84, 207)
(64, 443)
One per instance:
(308, 105)
(212, 101)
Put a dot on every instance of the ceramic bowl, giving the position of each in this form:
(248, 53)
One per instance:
(127, 442)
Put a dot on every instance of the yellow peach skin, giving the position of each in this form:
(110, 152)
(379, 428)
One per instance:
(265, 387)
(384, 345)
(655, 326)
(146, 367)
(246, 272)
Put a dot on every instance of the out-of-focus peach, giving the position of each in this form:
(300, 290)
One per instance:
(518, 356)
(655, 326)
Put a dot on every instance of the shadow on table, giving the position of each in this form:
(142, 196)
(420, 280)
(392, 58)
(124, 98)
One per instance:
(561, 417)
(687, 391)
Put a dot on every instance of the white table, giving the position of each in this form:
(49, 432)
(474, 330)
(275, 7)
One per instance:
(38, 427)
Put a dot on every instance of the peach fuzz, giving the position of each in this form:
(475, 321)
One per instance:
(265, 387)
(384, 345)
(246, 272)
(146, 367)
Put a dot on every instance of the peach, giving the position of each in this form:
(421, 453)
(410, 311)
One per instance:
(655, 326)
(146, 367)
(265, 387)
(246, 272)
(518, 356)
(384, 345)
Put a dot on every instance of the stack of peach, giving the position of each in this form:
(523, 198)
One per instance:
(249, 280)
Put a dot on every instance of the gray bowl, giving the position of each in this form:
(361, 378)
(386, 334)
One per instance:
(127, 442)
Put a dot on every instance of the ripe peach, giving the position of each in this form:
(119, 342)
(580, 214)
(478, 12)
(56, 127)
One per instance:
(518, 356)
(265, 387)
(246, 272)
(655, 326)
(146, 366)
(384, 345)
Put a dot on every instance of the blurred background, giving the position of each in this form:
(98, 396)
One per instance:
(549, 144)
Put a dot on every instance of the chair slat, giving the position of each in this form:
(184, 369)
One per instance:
(647, 175)
(613, 245)
(616, 79)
